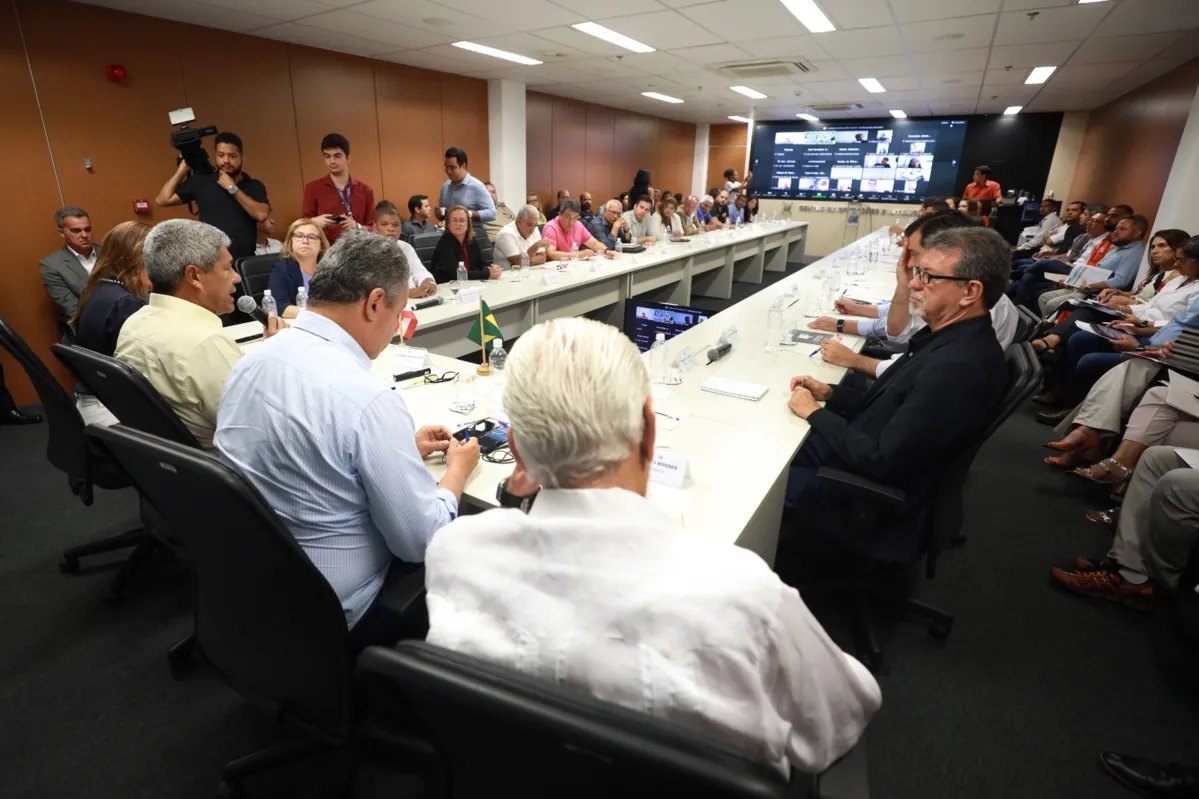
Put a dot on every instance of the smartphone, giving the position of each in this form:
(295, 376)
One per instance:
(490, 434)
(339, 218)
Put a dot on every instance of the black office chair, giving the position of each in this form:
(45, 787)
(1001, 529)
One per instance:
(870, 502)
(424, 244)
(255, 271)
(85, 466)
(501, 733)
(487, 250)
(1026, 326)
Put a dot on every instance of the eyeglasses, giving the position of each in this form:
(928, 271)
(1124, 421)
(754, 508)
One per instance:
(927, 277)
(448, 377)
(313, 237)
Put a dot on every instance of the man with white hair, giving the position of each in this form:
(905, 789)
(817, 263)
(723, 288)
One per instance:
(521, 237)
(704, 214)
(610, 226)
(594, 588)
(176, 341)
(691, 224)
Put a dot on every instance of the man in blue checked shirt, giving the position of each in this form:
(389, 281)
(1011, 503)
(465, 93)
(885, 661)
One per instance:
(464, 189)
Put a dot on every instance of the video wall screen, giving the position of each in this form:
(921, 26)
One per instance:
(883, 160)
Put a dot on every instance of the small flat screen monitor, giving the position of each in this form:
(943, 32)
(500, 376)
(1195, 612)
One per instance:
(643, 321)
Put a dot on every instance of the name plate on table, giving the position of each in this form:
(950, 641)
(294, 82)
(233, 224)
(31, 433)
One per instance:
(669, 468)
(686, 360)
(408, 359)
(731, 335)
(468, 295)
(552, 279)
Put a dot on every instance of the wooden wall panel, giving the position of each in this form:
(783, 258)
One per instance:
(1129, 145)
(600, 174)
(30, 199)
(335, 93)
(261, 111)
(463, 100)
(570, 156)
(676, 155)
(409, 106)
(626, 160)
(539, 145)
(728, 135)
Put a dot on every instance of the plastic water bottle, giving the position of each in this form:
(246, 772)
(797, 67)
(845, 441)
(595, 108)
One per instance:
(268, 303)
(302, 298)
(619, 247)
(774, 325)
(462, 276)
(498, 356)
(657, 358)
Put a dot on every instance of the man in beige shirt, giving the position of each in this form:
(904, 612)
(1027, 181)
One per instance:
(176, 342)
(503, 215)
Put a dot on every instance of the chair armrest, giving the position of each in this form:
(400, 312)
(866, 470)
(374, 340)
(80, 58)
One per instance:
(867, 488)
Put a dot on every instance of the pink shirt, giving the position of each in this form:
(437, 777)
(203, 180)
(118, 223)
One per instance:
(579, 234)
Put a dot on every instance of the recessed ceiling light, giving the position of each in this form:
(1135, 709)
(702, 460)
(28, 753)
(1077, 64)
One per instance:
(1012, 110)
(1040, 74)
(666, 98)
(895, 112)
(808, 117)
(1084, 2)
(871, 85)
(494, 53)
(741, 119)
(612, 37)
(809, 15)
(748, 92)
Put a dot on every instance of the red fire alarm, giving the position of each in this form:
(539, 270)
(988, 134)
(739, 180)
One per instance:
(141, 207)
(116, 73)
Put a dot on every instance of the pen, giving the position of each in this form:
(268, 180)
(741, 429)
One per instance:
(412, 374)
(668, 416)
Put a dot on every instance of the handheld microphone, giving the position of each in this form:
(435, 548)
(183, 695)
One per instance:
(719, 351)
(429, 303)
(246, 304)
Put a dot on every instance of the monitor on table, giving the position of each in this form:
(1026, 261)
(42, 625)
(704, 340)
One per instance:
(643, 321)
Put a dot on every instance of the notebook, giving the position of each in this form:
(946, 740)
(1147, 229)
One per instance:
(734, 388)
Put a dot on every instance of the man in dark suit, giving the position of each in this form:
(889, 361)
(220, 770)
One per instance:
(923, 413)
(65, 271)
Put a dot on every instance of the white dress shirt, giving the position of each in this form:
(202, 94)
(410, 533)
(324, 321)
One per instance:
(509, 243)
(271, 247)
(1174, 297)
(601, 592)
(333, 452)
(89, 262)
(417, 273)
(1035, 235)
(1004, 318)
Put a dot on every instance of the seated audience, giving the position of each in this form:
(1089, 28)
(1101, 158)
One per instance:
(585, 206)
(656, 194)
(720, 208)
(521, 237)
(691, 223)
(503, 215)
(641, 221)
(568, 237)
(665, 224)
(1058, 242)
(1156, 534)
(420, 281)
(333, 450)
(115, 291)
(955, 365)
(875, 329)
(760, 672)
(265, 244)
(304, 247)
(464, 190)
(737, 210)
(703, 213)
(535, 201)
(1087, 250)
(751, 209)
(65, 271)
(610, 226)
(563, 194)
(970, 207)
(641, 188)
(419, 213)
(176, 341)
(458, 246)
(624, 201)
(338, 201)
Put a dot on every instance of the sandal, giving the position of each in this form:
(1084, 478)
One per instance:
(1071, 460)
(1112, 473)
(1104, 518)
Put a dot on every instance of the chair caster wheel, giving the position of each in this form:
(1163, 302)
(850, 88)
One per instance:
(68, 564)
(940, 630)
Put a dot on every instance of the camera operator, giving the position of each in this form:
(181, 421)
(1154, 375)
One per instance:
(228, 199)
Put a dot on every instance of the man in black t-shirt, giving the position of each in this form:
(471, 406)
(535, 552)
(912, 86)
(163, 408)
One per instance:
(230, 200)
(720, 209)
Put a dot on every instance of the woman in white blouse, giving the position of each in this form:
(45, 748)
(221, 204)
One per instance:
(667, 224)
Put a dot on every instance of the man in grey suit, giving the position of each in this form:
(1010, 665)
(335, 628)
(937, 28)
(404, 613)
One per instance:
(65, 271)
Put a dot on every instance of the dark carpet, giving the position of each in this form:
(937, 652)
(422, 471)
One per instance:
(1030, 687)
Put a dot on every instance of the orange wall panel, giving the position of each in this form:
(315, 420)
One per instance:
(463, 104)
(570, 130)
(599, 176)
(409, 103)
(728, 135)
(539, 146)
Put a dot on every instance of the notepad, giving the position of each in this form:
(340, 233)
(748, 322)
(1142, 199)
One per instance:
(734, 388)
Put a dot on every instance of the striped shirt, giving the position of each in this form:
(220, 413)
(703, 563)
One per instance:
(333, 452)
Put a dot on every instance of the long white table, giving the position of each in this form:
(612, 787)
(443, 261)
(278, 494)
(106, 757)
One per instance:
(738, 451)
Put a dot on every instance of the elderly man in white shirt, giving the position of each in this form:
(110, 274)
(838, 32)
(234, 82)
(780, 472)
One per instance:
(595, 588)
(521, 237)
(1032, 237)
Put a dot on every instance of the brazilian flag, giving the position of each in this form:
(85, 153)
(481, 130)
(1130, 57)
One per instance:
(484, 329)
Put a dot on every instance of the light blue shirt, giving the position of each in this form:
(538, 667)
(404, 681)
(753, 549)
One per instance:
(1124, 262)
(471, 194)
(876, 328)
(333, 452)
(735, 214)
(1173, 329)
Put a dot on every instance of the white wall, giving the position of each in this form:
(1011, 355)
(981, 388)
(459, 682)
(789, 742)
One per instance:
(506, 140)
(1065, 155)
(827, 230)
(699, 172)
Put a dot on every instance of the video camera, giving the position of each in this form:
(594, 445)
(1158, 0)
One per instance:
(187, 141)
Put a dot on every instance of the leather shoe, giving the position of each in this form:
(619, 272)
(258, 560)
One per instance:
(1053, 418)
(17, 417)
(1150, 778)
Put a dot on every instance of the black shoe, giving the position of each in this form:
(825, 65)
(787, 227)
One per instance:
(1053, 418)
(16, 417)
(1150, 778)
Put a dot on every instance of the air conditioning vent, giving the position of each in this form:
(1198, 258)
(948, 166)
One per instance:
(835, 107)
(748, 70)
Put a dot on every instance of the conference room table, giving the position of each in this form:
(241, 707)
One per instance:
(737, 452)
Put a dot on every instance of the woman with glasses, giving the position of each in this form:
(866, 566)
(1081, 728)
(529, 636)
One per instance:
(667, 224)
(458, 246)
(302, 250)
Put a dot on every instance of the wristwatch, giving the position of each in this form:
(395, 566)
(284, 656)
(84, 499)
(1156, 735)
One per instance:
(840, 325)
(233, 189)
(507, 500)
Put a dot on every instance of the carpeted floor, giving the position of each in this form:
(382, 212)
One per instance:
(1028, 690)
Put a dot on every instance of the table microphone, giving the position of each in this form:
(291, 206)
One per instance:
(246, 304)
(429, 303)
(719, 351)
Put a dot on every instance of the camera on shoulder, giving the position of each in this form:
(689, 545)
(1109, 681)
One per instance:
(187, 140)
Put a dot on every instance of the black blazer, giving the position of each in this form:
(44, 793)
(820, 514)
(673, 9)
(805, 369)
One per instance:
(924, 413)
(286, 281)
(447, 254)
(99, 326)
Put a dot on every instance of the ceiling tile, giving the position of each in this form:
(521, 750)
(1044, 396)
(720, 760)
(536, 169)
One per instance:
(325, 39)
(520, 14)
(281, 10)
(469, 63)
(1035, 5)
(423, 59)
(1131, 17)
(1151, 69)
(1026, 56)
(609, 8)
(822, 70)
(1050, 25)
(452, 26)
(1101, 72)
(804, 46)
(657, 63)
(208, 16)
(921, 10)
(601, 68)
(849, 14)
(713, 54)
(683, 3)
(861, 43)
(951, 60)
(665, 30)
(1099, 50)
(527, 44)
(880, 67)
(746, 20)
(399, 37)
(949, 34)
(959, 79)
(1006, 77)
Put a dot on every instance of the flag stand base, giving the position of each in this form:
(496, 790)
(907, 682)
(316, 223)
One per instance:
(485, 370)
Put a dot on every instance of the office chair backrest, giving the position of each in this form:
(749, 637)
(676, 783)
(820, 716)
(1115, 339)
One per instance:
(126, 394)
(499, 732)
(265, 617)
(255, 271)
(424, 244)
(1026, 325)
(67, 449)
